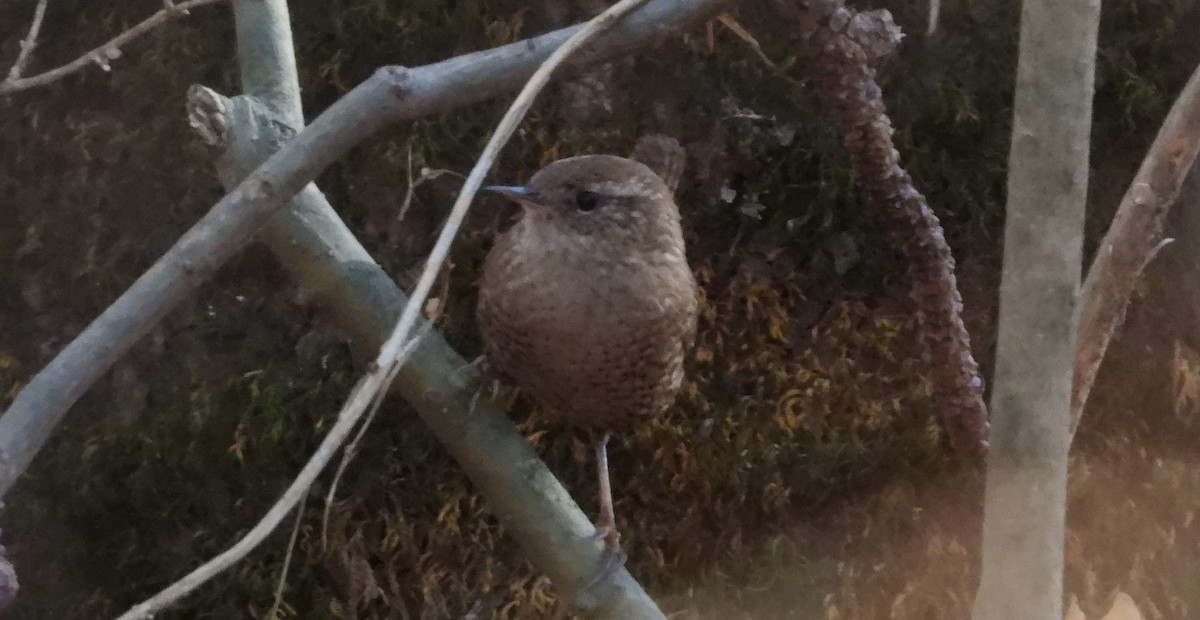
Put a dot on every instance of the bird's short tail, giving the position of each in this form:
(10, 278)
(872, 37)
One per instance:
(662, 154)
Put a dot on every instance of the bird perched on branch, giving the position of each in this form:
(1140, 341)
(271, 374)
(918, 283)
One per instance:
(587, 303)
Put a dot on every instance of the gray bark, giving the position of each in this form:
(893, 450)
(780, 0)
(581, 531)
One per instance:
(1025, 503)
(320, 252)
(316, 246)
(390, 95)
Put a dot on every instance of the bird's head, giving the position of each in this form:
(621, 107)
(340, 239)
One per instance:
(596, 195)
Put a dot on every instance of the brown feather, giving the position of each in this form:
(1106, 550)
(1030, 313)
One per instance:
(592, 312)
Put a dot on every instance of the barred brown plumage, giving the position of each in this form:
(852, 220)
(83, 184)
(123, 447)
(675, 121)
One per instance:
(587, 303)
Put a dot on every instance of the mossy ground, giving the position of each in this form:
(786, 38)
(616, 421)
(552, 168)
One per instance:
(801, 474)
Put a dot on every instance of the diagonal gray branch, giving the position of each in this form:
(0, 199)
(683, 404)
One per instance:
(358, 294)
(392, 94)
(1134, 239)
(315, 246)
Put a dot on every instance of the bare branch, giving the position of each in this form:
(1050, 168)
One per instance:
(623, 598)
(399, 346)
(29, 42)
(101, 55)
(390, 95)
(1134, 238)
(1024, 510)
(266, 60)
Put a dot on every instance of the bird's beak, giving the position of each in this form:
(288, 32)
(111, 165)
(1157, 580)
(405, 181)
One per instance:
(519, 193)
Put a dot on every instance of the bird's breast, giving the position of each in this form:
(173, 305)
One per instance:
(600, 342)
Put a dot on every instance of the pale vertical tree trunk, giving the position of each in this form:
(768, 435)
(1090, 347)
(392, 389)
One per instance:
(1025, 504)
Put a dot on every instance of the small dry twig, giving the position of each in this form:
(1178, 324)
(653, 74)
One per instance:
(740, 31)
(100, 56)
(395, 350)
(352, 450)
(426, 175)
(287, 560)
(29, 42)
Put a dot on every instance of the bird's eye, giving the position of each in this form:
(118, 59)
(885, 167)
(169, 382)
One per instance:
(587, 201)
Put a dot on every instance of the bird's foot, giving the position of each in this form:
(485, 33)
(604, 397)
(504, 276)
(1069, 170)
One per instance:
(612, 558)
(489, 381)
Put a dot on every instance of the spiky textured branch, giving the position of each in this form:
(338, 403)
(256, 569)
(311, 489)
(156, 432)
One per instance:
(844, 47)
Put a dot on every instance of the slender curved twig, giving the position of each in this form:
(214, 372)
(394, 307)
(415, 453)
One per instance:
(287, 561)
(373, 386)
(362, 396)
(503, 132)
(101, 55)
(362, 301)
(29, 42)
(352, 449)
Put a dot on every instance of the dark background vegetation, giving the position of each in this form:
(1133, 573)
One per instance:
(801, 474)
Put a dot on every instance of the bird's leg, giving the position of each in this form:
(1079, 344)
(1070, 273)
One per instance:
(480, 364)
(487, 380)
(606, 526)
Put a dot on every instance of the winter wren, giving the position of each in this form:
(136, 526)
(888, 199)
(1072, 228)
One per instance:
(587, 302)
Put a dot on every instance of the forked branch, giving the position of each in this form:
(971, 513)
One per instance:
(100, 56)
(394, 353)
(391, 95)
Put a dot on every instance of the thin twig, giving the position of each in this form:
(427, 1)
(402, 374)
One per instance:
(426, 175)
(396, 349)
(362, 299)
(352, 450)
(503, 132)
(287, 560)
(171, 6)
(101, 55)
(740, 31)
(29, 42)
(361, 396)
